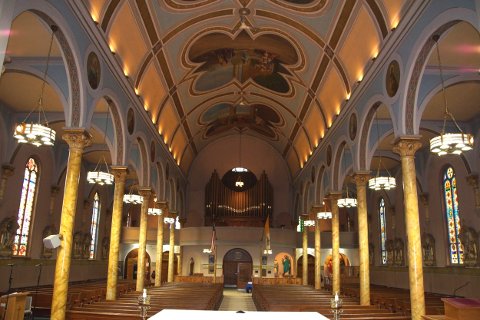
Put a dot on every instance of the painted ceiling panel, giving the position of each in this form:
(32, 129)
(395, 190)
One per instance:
(315, 125)
(178, 144)
(168, 122)
(96, 8)
(125, 38)
(292, 161)
(152, 90)
(332, 94)
(302, 146)
(394, 10)
(364, 41)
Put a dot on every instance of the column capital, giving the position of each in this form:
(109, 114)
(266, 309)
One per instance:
(334, 195)
(361, 177)
(77, 139)
(406, 146)
(145, 192)
(7, 169)
(119, 172)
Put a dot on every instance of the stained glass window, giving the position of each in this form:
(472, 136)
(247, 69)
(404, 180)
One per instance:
(25, 210)
(452, 216)
(94, 225)
(383, 229)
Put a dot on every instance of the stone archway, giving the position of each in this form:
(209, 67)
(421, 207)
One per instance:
(237, 268)
(311, 269)
(131, 263)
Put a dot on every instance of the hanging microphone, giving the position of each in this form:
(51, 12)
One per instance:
(11, 264)
(38, 265)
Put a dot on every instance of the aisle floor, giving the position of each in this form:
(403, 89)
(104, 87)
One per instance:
(236, 300)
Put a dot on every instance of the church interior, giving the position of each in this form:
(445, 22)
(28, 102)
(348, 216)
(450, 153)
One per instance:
(320, 155)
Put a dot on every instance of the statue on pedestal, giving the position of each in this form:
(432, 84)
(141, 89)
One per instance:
(8, 229)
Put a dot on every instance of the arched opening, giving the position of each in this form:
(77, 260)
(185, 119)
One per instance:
(131, 265)
(311, 269)
(237, 268)
(165, 266)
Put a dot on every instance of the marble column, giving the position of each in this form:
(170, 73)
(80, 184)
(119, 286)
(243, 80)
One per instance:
(77, 140)
(7, 172)
(335, 242)
(318, 258)
(171, 254)
(305, 255)
(120, 174)
(159, 258)
(180, 248)
(406, 148)
(142, 238)
(361, 180)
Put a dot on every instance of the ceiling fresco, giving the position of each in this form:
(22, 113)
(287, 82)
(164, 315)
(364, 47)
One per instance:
(241, 59)
(259, 118)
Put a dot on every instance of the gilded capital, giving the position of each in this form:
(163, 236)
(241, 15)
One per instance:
(120, 173)
(407, 146)
(145, 192)
(77, 139)
(361, 178)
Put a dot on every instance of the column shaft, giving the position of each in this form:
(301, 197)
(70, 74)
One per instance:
(142, 239)
(158, 264)
(406, 148)
(77, 140)
(335, 244)
(171, 254)
(305, 256)
(179, 260)
(112, 276)
(361, 183)
(318, 260)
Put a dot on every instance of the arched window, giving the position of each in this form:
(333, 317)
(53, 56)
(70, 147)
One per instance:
(94, 224)
(452, 216)
(25, 210)
(383, 229)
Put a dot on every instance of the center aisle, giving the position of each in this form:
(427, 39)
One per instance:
(236, 300)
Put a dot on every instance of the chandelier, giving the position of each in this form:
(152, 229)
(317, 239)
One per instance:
(132, 198)
(267, 251)
(449, 143)
(154, 211)
(169, 220)
(239, 183)
(381, 182)
(97, 176)
(325, 214)
(347, 202)
(38, 134)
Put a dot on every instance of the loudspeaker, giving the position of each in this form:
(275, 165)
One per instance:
(52, 242)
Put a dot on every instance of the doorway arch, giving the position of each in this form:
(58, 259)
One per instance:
(237, 268)
(311, 269)
(131, 263)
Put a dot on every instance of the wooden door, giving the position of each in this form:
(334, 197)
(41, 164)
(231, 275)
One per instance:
(244, 272)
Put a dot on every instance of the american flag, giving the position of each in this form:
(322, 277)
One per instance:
(213, 245)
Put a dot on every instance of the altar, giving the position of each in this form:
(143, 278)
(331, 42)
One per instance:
(234, 315)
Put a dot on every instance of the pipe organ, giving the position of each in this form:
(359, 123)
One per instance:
(226, 206)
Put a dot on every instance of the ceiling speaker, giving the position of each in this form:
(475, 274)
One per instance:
(52, 241)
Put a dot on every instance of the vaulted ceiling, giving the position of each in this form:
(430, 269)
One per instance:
(279, 70)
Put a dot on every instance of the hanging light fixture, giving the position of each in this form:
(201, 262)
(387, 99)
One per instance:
(381, 182)
(38, 134)
(132, 198)
(97, 176)
(449, 143)
(239, 183)
(154, 211)
(324, 214)
(346, 202)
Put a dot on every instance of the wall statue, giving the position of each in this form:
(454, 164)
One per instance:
(469, 239)
(371, 254)
(399, 247)
(428, 249)
(105, 247)
(87, 239)
(389, 245)
(8, 229)
(77, 245)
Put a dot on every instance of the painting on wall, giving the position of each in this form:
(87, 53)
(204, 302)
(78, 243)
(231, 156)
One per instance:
(221, 60)
(283, 265)
(93, 70)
